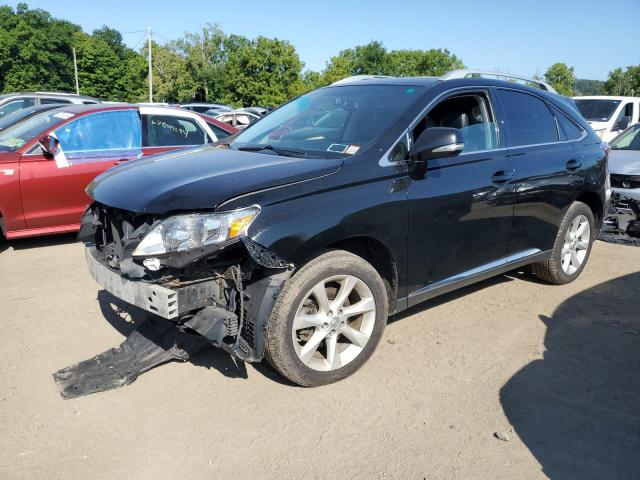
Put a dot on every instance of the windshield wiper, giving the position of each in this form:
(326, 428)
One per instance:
(285, 152)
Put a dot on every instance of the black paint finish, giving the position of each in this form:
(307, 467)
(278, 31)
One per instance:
(468, 211)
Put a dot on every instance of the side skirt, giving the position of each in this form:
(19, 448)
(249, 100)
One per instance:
(472, 276)
(36, 232)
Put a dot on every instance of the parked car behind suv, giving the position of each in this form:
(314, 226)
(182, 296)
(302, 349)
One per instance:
(11, 102)
(624, 166)
(47, 160)
(608, 116)
(296, 240)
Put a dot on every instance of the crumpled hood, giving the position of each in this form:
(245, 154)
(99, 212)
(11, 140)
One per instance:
(624, 162)
(199, 178)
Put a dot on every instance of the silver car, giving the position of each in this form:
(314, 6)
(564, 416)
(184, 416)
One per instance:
(624, 167)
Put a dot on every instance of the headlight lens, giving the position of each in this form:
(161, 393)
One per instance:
(186, 232)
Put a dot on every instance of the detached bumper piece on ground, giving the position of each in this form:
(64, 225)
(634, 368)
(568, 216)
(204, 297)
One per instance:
(154, 342)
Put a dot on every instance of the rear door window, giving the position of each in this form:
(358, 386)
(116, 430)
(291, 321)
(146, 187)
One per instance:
(529, 120)
(171, 131)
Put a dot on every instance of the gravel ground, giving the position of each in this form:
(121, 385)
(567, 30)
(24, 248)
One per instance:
(552, 371)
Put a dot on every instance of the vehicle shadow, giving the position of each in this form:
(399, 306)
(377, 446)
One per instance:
(125, 318)
(37, 242)
(578, 409)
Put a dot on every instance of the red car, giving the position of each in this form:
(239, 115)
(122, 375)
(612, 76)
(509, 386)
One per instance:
(47, 160)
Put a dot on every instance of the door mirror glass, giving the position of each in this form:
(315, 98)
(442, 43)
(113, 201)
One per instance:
(48, 144)
(437, 142)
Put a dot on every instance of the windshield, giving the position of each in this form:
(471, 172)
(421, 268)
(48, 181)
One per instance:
(597, 110)
(17, 135)
(627, 140)
(20, 115)
(330, 122)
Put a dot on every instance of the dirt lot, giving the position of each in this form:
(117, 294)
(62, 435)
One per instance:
(556, 369)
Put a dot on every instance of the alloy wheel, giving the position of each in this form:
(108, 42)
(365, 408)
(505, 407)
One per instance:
(334, 322)
(576, 245)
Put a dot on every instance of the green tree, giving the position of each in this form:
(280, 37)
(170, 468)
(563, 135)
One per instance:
(172, 81)
(35, 49)
(205, 57)
(264, 71)
(623, 82)
(374, 59)
(415, 63)
(561, 78)
(583, 86)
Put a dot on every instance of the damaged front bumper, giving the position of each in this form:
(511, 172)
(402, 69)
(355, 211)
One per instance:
(221, 298)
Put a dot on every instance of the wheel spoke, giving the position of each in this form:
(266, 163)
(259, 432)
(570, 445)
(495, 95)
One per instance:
(583, 244)
(309, 348)
(363, 306)
(565, 249)
(306, 321)
(320, 294)
(355, 336)
(574, 260)
(346, 287)
(581, 228)
(333, 356)
(566, 261)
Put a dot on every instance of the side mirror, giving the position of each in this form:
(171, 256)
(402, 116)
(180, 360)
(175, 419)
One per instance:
(437, 142)
(48, 144)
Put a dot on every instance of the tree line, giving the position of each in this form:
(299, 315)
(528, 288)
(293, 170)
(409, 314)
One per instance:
(213, 66)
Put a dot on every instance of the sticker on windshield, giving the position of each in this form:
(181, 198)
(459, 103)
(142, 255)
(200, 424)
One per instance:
(352, 149)
(63, 115)
(337, 147)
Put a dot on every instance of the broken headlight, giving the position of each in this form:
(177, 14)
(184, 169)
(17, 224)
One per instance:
(186, 232)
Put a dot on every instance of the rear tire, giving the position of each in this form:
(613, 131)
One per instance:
(572, 247)
(328, 319)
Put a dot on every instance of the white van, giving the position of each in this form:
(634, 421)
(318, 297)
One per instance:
(608, 116)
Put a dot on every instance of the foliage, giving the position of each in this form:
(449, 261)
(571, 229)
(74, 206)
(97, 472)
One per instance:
(587, 87)
(210, 65)
(264, 71)
(623, 82)
(561, 78)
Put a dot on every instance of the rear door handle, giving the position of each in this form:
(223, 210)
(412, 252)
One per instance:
(573, 165)
(503, 176)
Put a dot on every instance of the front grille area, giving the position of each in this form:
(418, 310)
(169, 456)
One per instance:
(625, 181)
(115, 232)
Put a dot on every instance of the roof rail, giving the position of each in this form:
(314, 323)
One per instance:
(57, 93)
(358, 77)
(466, 73)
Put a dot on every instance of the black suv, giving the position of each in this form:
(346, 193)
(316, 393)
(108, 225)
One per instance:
(296, 239)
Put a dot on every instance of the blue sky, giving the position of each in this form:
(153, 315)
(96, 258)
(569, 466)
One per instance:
(522, 37)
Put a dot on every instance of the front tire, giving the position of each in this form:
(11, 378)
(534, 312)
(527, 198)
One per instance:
(327, 320)
(572, 247)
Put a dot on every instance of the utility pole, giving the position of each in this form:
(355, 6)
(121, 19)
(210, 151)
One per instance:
(75, 69)
(150, 68)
